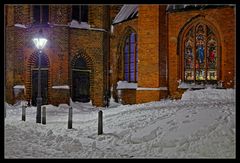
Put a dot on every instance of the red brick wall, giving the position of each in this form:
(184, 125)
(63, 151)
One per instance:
(128, 96)
(223, 20)
(63, 44)
(90, 42)
(116, 55)
(157, 44)
(151, 52)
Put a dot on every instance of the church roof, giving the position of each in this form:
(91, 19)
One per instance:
(185, 7)
(127, 12)
(130, 11)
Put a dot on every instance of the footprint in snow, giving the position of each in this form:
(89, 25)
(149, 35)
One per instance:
(186, 121)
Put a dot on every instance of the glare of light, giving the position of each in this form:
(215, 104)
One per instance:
(40, 42)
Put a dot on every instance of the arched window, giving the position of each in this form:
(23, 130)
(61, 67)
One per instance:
(80, 13)
(80, 63)
(44, 61)
(200, 54)
(40, 14)
(130, 58)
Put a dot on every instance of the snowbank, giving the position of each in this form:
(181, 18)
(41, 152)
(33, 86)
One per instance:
(210, 94)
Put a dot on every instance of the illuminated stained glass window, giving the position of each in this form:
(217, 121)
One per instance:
(200, 53)
(130, 58)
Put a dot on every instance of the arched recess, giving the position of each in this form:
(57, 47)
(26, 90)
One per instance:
(128, 44)
(32, 73)
(81, 78)
(199, 52)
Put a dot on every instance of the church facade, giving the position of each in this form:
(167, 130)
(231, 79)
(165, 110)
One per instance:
(132, 53)
(167, 49)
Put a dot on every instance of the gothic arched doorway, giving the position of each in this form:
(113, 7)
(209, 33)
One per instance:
(44, 79)
(80, 80)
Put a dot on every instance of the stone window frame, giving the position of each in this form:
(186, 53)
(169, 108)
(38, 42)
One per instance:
(127, 36)
(186, 28)
(41, 14)
(80, 18)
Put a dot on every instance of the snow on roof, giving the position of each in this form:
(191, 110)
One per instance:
(182, 7)
(126, 12)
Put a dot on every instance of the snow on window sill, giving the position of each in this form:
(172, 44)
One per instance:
(20, 25)
(19, 87)
(184, 85)
(76, 24)
(61, 87)
(126, 85)
(83, 25)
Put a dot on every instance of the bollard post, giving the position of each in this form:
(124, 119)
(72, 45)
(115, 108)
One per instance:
(100, 123)
(70, 118)
(23, 113)
(44, 115)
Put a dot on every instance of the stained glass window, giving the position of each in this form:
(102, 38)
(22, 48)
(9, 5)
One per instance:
(130, 58)
(200, 53)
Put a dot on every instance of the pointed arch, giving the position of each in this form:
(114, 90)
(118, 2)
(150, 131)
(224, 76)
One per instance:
(82, 69)
(33, 60)
(32, 64)
(82, 54)
(199, 51)
(128, 55)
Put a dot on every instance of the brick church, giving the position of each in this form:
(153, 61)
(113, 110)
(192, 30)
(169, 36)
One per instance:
(129, 53)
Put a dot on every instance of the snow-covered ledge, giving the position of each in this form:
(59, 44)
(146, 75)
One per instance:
(126, 85)
(20, 25)
(76, 24)
(18, 89)
(184, 85)
(60, 87)
(152, 89)
(83, 25)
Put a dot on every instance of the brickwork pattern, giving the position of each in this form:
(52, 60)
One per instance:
(63, 45)
(116, 54)
(158, 38)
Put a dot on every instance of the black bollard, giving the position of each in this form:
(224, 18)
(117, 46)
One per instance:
(23, 113)
(100, 123)
(70, 118)
(44, 115)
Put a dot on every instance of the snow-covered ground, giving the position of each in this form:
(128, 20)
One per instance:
(200, 125)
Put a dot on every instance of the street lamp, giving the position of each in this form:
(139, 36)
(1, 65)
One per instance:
(39, 42)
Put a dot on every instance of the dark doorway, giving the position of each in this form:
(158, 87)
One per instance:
(81, 86)
(44, 86)
(44, 64)
(80, 81)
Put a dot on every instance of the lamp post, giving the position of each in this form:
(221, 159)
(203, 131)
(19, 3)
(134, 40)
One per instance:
(39, 42)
